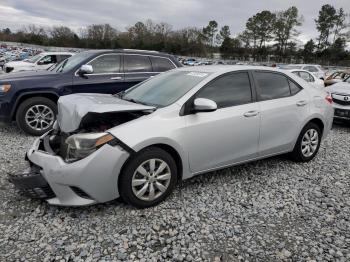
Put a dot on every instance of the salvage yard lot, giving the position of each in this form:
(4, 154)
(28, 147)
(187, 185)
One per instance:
(272, 210)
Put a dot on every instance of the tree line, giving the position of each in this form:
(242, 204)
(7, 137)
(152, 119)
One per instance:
(268, 36)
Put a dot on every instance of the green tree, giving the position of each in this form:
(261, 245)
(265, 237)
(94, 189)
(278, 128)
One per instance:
(308, 51)
(340, 24)
(285, 28)
(325, 23)
(209, 32)
(223, 34)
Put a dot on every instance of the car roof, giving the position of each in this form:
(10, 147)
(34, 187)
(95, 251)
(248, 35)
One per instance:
(57, 53)
(126, 51)
(228, 68)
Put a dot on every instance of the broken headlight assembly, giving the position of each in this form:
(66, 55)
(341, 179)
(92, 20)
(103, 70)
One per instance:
(80, 146)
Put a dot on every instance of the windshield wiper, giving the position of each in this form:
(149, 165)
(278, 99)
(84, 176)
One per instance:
(120, 94)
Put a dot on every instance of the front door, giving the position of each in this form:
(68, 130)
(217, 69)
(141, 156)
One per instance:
(228, 135)
(107, 76)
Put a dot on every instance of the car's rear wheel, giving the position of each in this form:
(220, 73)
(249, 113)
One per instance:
(36, 115)
(148, 178)
(308, 143)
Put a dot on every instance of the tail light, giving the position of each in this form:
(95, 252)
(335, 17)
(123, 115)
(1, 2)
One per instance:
(329, 99)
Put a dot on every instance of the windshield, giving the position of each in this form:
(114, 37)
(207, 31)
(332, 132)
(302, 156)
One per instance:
(34, 58)
(164, 89)
(72, 62)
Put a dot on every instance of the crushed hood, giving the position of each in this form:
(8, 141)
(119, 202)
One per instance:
(73, 108)
(339, 88)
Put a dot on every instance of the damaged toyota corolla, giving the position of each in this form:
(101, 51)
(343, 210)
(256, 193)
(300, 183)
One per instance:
(138, 144)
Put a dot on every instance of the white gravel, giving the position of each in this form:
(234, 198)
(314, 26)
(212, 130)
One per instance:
(271, 210)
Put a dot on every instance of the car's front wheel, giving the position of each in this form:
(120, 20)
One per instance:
(308, 143)
(36, 115)
(148, 178)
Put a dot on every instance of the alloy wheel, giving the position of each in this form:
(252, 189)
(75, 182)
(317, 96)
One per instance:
(309, 142)
(151, 179)
(39, 117)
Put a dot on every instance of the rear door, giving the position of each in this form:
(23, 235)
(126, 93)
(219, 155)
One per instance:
(284, 106)
(137, 68)
(107, 76)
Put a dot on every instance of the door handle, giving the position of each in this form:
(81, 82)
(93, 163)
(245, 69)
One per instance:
(116, 78)
(251, 113)
(301, 103)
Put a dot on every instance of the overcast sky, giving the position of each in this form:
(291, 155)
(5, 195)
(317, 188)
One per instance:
(179, 13)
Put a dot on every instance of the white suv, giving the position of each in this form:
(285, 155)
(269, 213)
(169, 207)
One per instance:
(41, 61)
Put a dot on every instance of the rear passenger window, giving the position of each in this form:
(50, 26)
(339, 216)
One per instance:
(137, 63)
(228, 90)
(307, 77)
(294, 88)
(272, 85)
(106, 64)
(160, 64)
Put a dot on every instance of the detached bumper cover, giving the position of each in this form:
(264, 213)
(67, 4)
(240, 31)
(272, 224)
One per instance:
(32, 184)
(91, 180)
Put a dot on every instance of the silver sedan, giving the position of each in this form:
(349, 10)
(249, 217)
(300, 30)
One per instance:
(139, 144)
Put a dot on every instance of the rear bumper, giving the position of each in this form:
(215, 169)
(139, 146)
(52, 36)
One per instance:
(91, 180)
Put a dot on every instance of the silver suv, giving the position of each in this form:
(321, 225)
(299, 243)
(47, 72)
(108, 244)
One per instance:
(138, 144)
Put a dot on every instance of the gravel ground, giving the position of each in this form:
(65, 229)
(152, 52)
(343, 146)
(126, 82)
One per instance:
(271, 210)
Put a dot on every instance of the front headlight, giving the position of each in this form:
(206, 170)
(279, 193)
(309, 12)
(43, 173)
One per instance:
(4, 88)
(82, 145)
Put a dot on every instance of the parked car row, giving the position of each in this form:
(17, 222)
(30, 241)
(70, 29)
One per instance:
(14, 53)
(41, 61)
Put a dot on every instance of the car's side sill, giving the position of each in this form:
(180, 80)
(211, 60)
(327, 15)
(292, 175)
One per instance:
(239, 163)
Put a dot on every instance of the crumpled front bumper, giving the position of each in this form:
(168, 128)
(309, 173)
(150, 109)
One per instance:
(91, 180)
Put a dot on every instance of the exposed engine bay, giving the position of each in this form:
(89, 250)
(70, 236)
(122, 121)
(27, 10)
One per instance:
(90, 123)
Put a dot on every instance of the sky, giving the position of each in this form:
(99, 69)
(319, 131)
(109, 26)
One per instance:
(179, 13)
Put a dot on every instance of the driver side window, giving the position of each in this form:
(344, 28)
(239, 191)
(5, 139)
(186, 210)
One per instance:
(106, 64)
(46, 60)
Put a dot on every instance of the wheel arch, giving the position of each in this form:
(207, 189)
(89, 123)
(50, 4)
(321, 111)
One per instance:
(317, 121)
(24, 96)
(169, 149)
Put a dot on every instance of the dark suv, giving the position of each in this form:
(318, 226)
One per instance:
(30, 98)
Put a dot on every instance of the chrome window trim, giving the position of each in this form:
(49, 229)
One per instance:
(76, 72)
(151, 61)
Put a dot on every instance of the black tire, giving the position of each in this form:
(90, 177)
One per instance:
(297, 154)
(125, 178)
(25, 106)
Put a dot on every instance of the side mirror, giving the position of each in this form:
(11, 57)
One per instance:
(204, 105)
(86, 69)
